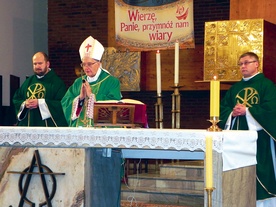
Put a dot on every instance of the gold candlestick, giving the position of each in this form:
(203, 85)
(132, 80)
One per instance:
(159, 112)
(214, 120)
(209, 196)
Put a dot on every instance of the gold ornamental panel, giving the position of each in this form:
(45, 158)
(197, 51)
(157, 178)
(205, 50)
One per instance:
(225, 41)
(125, 66)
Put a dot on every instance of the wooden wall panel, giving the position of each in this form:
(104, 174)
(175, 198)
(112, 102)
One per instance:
(252, 9)
(266, 9)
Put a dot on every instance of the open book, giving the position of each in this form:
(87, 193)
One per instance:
(129, 101)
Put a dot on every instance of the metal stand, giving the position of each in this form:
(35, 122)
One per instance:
(176, 107)
(159, 112)
(214, 120)
(209, 194)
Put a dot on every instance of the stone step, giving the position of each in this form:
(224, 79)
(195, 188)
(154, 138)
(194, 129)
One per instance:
(186, 169)
(167, 196)
(166, 181)
(176, 183)
(142, 164)
(133, 203)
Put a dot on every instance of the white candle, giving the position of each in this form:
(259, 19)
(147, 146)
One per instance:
(176, 63)
(158, 72)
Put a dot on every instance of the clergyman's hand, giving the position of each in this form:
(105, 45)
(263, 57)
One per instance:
(87, 88)
(82, 92)
(31, 103)
(239, 110)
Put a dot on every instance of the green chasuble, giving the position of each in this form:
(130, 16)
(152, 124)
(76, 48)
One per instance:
(259, 95)
(106, 87)
(52, 89)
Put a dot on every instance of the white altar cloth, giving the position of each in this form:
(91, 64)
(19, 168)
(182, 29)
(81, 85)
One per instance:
(239, 151)
(174, 139)
(161, 139)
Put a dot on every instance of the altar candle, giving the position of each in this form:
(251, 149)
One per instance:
(158, 72)
(176, 63)
(209, 161)
(214, 97)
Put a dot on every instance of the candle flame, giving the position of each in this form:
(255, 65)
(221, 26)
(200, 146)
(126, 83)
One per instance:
(215, 77)
(157, 51)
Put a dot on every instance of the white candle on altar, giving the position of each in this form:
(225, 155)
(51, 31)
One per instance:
(158, 72)
(214, 97)
(176, 63)
(209, 162)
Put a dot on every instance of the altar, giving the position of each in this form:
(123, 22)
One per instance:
(230, 158)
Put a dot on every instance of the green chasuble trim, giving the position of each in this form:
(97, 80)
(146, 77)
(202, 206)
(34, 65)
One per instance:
(96, 87)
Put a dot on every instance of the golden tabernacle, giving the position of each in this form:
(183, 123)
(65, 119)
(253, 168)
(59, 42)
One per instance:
(225, 41)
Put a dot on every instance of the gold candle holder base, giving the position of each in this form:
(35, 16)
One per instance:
(209, 195)
(214, 120)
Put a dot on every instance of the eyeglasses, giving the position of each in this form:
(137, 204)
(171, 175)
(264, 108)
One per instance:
(246, 63)
(89, 64)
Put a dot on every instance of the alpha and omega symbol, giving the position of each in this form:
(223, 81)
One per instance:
(36, 91)
(36, 168)
(248, 97)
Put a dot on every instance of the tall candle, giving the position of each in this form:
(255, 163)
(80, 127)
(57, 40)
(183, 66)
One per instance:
(209, 162)
(176, 63)
(214, 97)
(158, 72)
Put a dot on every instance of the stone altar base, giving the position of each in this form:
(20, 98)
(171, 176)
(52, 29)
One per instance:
(73, 177)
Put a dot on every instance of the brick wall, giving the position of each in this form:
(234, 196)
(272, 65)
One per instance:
(71, 21)
(206, 11)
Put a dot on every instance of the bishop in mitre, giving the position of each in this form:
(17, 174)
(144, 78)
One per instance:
(96, 85)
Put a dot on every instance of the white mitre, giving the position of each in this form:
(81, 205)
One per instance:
(91, 48)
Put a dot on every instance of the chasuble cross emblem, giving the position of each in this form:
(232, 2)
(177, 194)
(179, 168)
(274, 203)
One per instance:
(36, 91)
(248, 96)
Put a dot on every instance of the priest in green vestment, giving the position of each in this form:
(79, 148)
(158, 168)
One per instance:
(38, 101)
(78, 105)
(250, 104)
